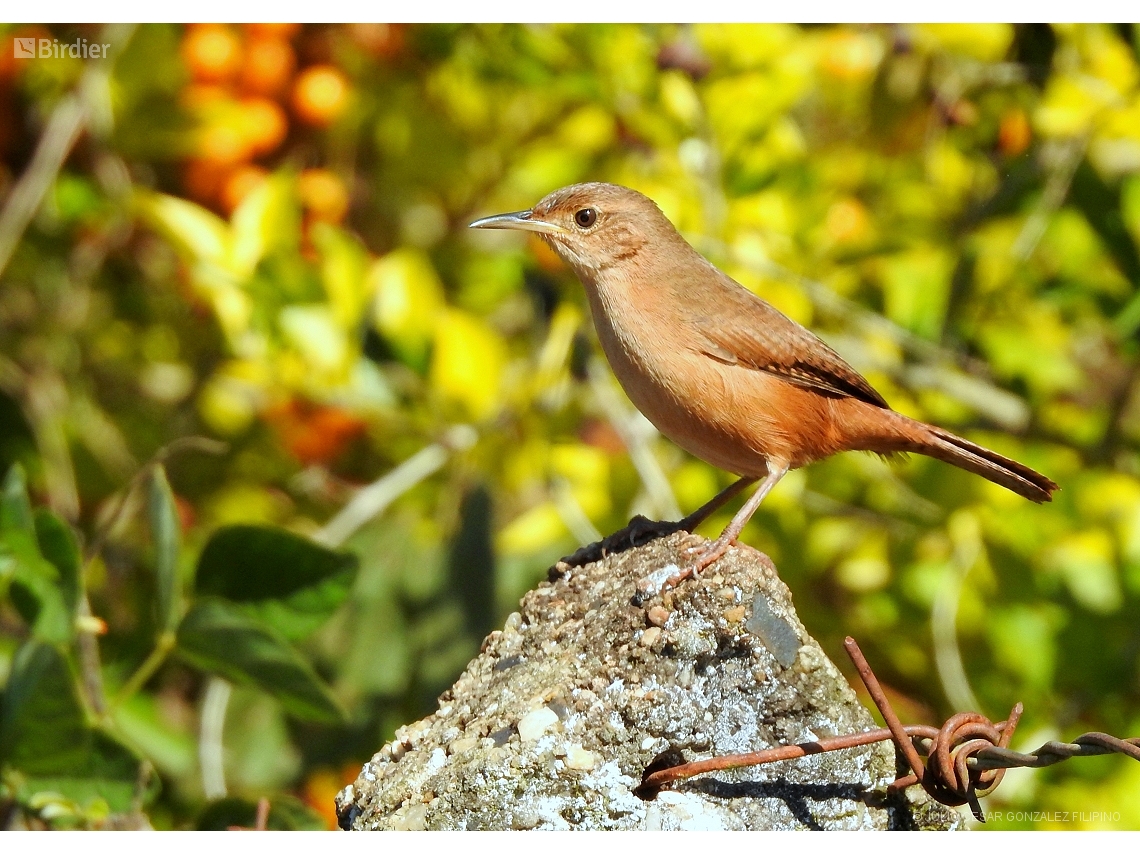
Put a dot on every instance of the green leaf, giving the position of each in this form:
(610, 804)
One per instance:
(344, 268)
(58, 546)
(144, 722)
(1101, 204)
(46, 742)
(45, 595)
(38, 597)
(267, 220)
(37, 591)
(15, 507)
(167, 535)
(107, 770)
(279, 578)
(223, 639)
(43, 729)
(197, 233)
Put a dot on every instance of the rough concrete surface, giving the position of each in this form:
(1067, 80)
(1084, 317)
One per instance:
(553, 724)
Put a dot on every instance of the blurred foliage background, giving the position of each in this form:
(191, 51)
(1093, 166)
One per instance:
(257, 234)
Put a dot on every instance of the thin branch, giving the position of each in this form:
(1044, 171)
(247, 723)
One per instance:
(90, 665)
(202, 444)
(371, 501)
(89, 659)
(1056, 189)
(162, 649)
(944, 627)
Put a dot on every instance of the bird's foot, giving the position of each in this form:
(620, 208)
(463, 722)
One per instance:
(640, 530)
(702, 556)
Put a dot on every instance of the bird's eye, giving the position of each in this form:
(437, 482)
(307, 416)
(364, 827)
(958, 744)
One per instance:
(586, 217)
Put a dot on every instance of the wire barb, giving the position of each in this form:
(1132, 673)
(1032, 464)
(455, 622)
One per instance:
(965, 758)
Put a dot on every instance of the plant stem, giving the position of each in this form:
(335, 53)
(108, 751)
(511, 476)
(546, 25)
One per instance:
(145, 671)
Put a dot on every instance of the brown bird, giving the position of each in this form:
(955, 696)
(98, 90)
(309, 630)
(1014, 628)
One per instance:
(717, 369)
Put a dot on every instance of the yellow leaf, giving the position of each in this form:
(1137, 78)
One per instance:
(467, 362)
(590, 128)
(532, 531)
(229, 400)
(869, 567)
(554, 359)
(850, 55)
(315, 334)
(680, 97)
(694, 484)
(769, 209)
(1069, 106)
(949, 169)
(343, 272)
(587, 469)
(408, 303)
(916, 286)
(268, 217)
(746, 45)
(1110, 58)
(197, 234)
(987, 42)
(1086, 562)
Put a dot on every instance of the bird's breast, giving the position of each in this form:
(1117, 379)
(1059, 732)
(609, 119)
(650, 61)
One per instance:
(732, 417)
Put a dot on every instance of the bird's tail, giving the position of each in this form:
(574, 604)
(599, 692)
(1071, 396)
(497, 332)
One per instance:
(914, 436)
(989, 464)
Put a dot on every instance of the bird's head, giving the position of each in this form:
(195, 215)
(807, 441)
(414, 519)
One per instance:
(593, 227)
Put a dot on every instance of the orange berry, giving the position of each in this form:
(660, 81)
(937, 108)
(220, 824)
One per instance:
(212, 52)
(202, 179)
(239, 184)
(263, 125)
(272, 31)
(320, 95)
(202, 96)
(269, 65)
(323, 195)
(314, 433)
(1014, 133)
(224, 144)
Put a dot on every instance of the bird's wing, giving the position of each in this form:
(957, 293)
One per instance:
(749, 332)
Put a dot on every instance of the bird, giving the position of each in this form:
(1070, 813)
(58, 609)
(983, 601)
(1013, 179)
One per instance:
(719, 370)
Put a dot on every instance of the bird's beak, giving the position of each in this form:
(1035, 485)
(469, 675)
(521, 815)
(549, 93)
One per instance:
(521, 221)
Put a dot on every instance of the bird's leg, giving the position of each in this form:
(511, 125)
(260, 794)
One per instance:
(640, 526)
(732, 531)
(714, 504)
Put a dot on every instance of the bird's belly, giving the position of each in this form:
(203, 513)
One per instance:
(701, 406)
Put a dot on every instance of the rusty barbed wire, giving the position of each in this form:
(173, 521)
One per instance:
(964, 759)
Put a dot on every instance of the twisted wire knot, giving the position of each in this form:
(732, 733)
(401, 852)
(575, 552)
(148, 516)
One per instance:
(948, 776)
